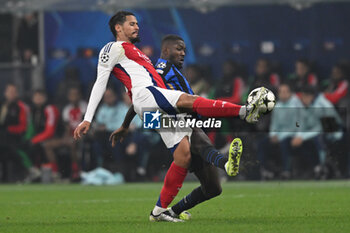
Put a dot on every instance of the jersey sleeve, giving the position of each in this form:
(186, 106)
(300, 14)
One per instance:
(109, 56)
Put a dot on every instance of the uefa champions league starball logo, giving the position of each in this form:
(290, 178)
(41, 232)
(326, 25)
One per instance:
(104, 57)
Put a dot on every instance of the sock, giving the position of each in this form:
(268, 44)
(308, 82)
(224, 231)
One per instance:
(217, 108)
(213, 156)
(158, 210)
(195, 197)
(172, 184)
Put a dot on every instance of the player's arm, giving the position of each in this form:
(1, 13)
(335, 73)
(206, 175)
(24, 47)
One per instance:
(108, 58)
(119, 134)
(129, 117)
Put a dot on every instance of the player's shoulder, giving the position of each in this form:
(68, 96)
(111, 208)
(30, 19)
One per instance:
(163, 66)
(110, 46)
(110, 53)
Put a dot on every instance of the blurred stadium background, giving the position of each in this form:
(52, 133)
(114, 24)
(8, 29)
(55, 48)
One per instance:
(50, 49)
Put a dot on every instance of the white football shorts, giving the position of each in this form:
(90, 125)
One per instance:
(153, 98)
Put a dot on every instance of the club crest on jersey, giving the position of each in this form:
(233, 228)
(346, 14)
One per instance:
(104, 57)
(161, 65)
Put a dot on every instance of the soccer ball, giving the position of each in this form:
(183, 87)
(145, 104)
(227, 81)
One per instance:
(268, 100)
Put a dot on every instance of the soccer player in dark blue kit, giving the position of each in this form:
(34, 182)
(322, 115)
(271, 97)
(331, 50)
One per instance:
(204, 157)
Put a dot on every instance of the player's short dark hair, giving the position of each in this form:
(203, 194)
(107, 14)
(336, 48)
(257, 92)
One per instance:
(118, 18)
(170, 38)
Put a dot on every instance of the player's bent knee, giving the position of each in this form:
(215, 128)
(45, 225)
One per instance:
(183, 160)
(185, 101)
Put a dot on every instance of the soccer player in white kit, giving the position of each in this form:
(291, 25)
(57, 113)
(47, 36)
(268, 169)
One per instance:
(148, 91)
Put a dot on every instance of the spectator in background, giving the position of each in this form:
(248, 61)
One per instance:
(282, 130)
(109, 116)
(196, 80)
(128, 154)
(27, 41)
(316, 110)
(231, 86)
(44, 118)
(13, 125)
(337, 93)
(338, 87)
(264, 75)
(72, 115)
(71, 79)
(304, 75)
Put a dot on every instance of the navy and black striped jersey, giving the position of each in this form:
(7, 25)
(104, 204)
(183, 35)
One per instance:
(172, 77)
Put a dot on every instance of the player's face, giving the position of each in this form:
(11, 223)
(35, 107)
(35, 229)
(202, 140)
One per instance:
(177, 52)
(129, 31)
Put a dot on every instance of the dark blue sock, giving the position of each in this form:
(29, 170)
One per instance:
(213, 156)
(195, 197)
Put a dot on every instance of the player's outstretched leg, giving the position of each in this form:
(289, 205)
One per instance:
(217, 108)
(172, 182)
(234, 157)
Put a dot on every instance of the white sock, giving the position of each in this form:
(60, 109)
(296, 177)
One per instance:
(158, 210)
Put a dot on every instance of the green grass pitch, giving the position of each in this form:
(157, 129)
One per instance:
(243, 207)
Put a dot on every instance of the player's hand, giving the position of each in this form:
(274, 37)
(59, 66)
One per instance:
(297, 141)
(83, 127)
(118, 135)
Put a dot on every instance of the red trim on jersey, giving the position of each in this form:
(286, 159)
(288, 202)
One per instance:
(51, 115)
(140, 58)
(22, 120)
(339, 93)
(120, 73)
